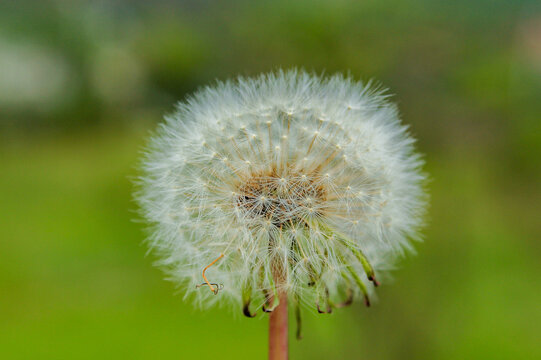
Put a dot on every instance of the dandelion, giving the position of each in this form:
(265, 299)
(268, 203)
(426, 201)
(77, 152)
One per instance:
(288, 187)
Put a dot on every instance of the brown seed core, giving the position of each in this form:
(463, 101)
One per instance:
(280, 199)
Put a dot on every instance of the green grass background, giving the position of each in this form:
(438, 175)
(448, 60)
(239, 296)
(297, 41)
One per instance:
(75, 279)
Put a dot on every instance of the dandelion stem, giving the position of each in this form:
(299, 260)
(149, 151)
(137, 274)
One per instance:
(278, 330)
(278, 320)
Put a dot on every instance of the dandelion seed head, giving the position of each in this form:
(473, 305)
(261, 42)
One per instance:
(315, 176)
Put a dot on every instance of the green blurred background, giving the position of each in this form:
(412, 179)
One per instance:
(82, 83)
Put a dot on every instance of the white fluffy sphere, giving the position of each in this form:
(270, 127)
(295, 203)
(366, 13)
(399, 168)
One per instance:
(305, 184)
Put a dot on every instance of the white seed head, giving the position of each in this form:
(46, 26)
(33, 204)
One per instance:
(299, 218)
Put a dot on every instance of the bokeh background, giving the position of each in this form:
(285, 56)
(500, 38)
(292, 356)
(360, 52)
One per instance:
(83, 83)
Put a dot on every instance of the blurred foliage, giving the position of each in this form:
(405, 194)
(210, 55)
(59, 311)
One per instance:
(81, 83)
